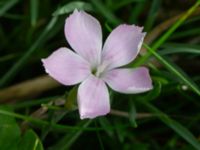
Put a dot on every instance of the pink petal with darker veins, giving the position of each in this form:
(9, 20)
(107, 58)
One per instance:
(93, 98)
(129, 80)
(122, 45)
(83, 32)
(66, 67)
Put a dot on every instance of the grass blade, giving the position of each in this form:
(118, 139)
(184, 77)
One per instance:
(179, 50)
(17, 66)
(176, 126)
(171, 68)
(155, 6)
(34, 8)
(6, 6)
(70, 138)
(168, 33)
(105, 12)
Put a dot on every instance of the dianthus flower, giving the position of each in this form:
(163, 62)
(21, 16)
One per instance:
(94, 65)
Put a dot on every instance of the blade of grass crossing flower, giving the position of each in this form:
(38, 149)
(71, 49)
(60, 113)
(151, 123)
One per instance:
(17, 66)
(168, 33)
(185, 79)
(176, 126)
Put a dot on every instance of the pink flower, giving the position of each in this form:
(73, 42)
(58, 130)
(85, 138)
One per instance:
(95, 66)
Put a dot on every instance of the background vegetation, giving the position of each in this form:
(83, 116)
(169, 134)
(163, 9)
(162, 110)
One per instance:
(38, 113)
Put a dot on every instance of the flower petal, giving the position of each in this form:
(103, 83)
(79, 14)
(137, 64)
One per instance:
(93, 98)
(129, 80)
(122, 45)
(66, 67)
(83, 32)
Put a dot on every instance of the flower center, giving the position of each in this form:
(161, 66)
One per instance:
(94, 70)
(98, 71)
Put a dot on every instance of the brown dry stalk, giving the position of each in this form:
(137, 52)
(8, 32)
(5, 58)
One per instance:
(127, 115)
(28, 89)
(34, 87)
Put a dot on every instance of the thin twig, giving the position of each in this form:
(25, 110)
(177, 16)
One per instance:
(126, 114)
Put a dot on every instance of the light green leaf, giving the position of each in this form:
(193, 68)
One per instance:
(69, 7)
(71, 100)
(154, 93)
(9, 131)
(30, 141)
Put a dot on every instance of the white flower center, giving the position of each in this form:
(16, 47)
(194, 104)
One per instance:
(99, 70)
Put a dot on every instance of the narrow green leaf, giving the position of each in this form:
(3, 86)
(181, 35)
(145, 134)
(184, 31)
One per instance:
(6, 5)
(171, 68)
(175, 26)
(177, 127)
(30, 141)
(180, 45)
(105, 12)
(155, 6)
(71, 100)
(168, 33)
(154, 93)
(132, 113)
(123, 3)
(186, 33)
(135, 13)
(66, 141)
(34, 9)
(174, 50)
(9, 131)
(42, 123)
(106, 124)
(21, 62)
